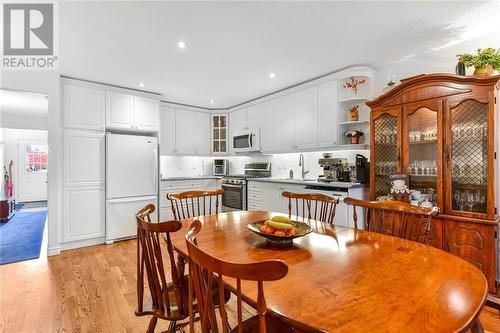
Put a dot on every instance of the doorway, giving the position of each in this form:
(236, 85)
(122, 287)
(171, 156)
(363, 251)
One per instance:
(24, 159)
(32, 168)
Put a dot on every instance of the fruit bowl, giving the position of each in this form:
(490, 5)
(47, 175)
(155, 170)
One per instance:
(302, 229)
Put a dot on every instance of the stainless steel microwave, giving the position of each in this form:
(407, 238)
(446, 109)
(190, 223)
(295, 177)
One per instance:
(246, 141)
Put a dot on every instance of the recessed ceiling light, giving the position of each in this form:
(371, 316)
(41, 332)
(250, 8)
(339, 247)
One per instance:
(141, 84)
(181, 44)
(272, 75)
(212, 101)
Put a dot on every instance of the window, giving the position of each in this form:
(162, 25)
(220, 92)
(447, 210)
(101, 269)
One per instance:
(36, 158)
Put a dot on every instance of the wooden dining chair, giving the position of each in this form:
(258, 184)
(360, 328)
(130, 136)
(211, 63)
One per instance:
(195, 203)
(207, 273)
(312, 206)
(395, 218)
(168, 300)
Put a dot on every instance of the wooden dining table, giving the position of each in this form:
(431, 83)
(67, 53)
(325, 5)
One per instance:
(349, 280)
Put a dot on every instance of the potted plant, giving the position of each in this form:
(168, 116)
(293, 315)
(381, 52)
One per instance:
(486, 62)
(354, 136)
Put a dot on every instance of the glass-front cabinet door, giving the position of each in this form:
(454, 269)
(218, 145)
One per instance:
(386, 150)
(468, 158)
(422, 152)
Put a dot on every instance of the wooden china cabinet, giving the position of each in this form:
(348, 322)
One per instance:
(442, 130)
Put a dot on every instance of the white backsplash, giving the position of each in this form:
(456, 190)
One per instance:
(185, 166)
(190, 166)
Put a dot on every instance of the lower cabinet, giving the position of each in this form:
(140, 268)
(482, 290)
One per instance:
(273, 201)
(475, 243)
(176, 186)
(84, 213)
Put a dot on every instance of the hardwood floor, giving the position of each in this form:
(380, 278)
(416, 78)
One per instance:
(87, 290)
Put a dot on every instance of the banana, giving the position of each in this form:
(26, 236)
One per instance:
(278, 225)
(282, 219)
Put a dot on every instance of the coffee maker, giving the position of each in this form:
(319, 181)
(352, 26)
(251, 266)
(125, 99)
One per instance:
(362, 169)
(334, 169)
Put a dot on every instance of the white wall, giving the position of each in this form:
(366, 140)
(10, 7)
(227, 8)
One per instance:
(2, 161)
(45, 82)
(24, 122)
(11, 139)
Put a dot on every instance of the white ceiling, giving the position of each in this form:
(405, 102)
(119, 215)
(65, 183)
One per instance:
(232, 46)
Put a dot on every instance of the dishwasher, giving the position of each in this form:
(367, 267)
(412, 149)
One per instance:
(342, 211)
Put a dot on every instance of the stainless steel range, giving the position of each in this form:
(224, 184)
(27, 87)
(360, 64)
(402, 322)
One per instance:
(235, 186)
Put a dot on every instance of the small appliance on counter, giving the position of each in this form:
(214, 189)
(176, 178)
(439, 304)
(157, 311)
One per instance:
(334, 170)
(221, 167)
(362, 169)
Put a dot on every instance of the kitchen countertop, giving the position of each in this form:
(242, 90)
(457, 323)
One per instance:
(311, 182)
(189, 178)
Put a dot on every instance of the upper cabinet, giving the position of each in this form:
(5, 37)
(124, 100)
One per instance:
(167, 131)
(327, 114)
(184, 132)
(83, 106)
(313, 115)
(129, 112)
(306, 118)
(219, 134)
(146, 113)
(202, 125)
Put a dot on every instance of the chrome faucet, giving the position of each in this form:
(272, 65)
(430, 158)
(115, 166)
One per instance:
(301, 164)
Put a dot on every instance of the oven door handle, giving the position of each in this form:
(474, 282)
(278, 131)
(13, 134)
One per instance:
(227, 185)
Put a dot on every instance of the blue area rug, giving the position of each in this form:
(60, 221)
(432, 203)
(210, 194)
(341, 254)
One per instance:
(20, 206)
(21, 237)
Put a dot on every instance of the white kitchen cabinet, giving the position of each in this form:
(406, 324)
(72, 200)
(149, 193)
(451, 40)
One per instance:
(272, 200)
(238, 120)
(146, 112)
(167, 131)
(119, 110)
(202, 135)
(268, 130)
(132, 113)
(83, 106)
(254, 196)
(83, 213)
(185, 133)
(253, 117)
(284, 123)
(84, 155)
(327, 114)
(306, 117)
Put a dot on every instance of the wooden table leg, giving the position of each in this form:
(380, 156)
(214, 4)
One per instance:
(477, 327)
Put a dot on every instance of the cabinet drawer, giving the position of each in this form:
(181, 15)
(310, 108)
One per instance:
(181, 184)
(255, 186)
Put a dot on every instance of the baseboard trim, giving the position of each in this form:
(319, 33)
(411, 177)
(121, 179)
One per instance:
(54, 251)
(82, 243)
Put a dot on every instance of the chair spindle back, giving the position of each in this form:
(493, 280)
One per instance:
(312, 206)
(207, 273)
(195, 203)
(395, 218)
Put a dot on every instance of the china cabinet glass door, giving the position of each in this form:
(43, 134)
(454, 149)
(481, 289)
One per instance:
(386, 156)
(422, 162)
(468, 157)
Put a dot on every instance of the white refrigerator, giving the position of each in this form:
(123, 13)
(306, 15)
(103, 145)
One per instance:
(131, 182)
